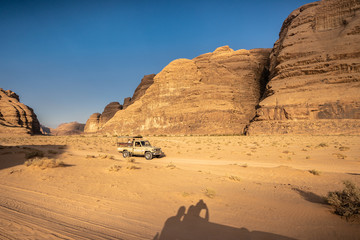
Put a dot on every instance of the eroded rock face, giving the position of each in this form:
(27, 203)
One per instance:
(92, 124)
(72, 128)
(145, 83)
(314, 72)
(97, 120)
(16, 117)
(215, 93)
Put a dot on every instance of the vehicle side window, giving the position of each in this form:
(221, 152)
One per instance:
(137, 144)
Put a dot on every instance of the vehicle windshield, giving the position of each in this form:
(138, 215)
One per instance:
(145, 143)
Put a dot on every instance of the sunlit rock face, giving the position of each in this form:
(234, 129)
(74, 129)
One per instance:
(215, 93)
(16, 117)
(97, 120)
(314, 82)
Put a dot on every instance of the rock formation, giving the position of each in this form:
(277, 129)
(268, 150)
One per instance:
(145, 83)
(314, 73)
(215, 93)
(97, 120)
(72, 128)
(16, 117)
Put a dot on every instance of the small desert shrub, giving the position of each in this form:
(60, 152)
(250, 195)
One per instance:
(244, 165)
(322, 145)
(344, 148)
(131, 160)
(90, 156)
(34, 154)
(114, 168)
(44, 163)
(234, 178)
(209, 193)
(314, 172)
(133, 167)
(340, 156)
(346, 202)
(171, 165)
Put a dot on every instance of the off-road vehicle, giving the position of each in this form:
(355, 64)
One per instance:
(137, 146)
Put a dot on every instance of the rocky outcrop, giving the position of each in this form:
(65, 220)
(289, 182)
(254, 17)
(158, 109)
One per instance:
(215, 93)
(16, 117)
(97, 120)
(72, 128)
(145, 83)
(314, 82)
(92, 124)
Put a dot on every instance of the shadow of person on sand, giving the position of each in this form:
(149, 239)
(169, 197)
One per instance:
(192, 226)
(11, 156)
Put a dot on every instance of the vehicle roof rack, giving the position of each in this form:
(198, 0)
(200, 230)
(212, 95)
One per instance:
(138, 136)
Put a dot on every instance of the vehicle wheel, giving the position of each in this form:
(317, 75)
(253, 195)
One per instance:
(125, 154)
(148, 155)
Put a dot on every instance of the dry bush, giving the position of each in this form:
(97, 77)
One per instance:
(114, 168)
(344, 148)
(131, 160)
(133, 167)
(346, 202)
(44, 163)
(209, 193)
(34, 154)
(314, 172)
(235, 178)
(171, 165)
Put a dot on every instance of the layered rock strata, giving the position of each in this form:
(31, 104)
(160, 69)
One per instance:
(314, 82)
(215, 93)
(16, 117)
(97, 120)
(145, 83)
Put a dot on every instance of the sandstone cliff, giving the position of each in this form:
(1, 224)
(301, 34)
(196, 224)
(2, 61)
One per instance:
(16, 117)
(215, 93)
(97, 120)
(72, 128)
(145, 83)
(314, 72)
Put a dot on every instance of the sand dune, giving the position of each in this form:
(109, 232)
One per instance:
(253, 187)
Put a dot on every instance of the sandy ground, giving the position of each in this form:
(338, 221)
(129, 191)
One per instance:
(250, 187)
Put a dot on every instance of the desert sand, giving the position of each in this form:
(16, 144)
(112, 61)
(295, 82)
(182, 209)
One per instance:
(254, 187)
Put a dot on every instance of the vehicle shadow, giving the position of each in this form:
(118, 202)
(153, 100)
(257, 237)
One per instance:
(11, 156)
(192, 226)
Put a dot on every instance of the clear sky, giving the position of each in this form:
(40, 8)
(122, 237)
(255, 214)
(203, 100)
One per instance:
(69, 58)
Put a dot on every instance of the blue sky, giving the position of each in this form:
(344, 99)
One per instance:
(69, 59)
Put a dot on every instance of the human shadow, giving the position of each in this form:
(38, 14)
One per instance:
(193, 226)
(11, 156)
(310, 196)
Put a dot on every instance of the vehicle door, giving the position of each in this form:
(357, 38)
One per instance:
(138, 149)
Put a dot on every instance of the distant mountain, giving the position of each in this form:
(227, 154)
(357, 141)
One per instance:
(72, 128)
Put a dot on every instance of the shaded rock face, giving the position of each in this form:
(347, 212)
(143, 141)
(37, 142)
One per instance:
(215, 93)
(72, 128)
(314, 73)
(97, 120)
(16, 117)
(145, 83)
